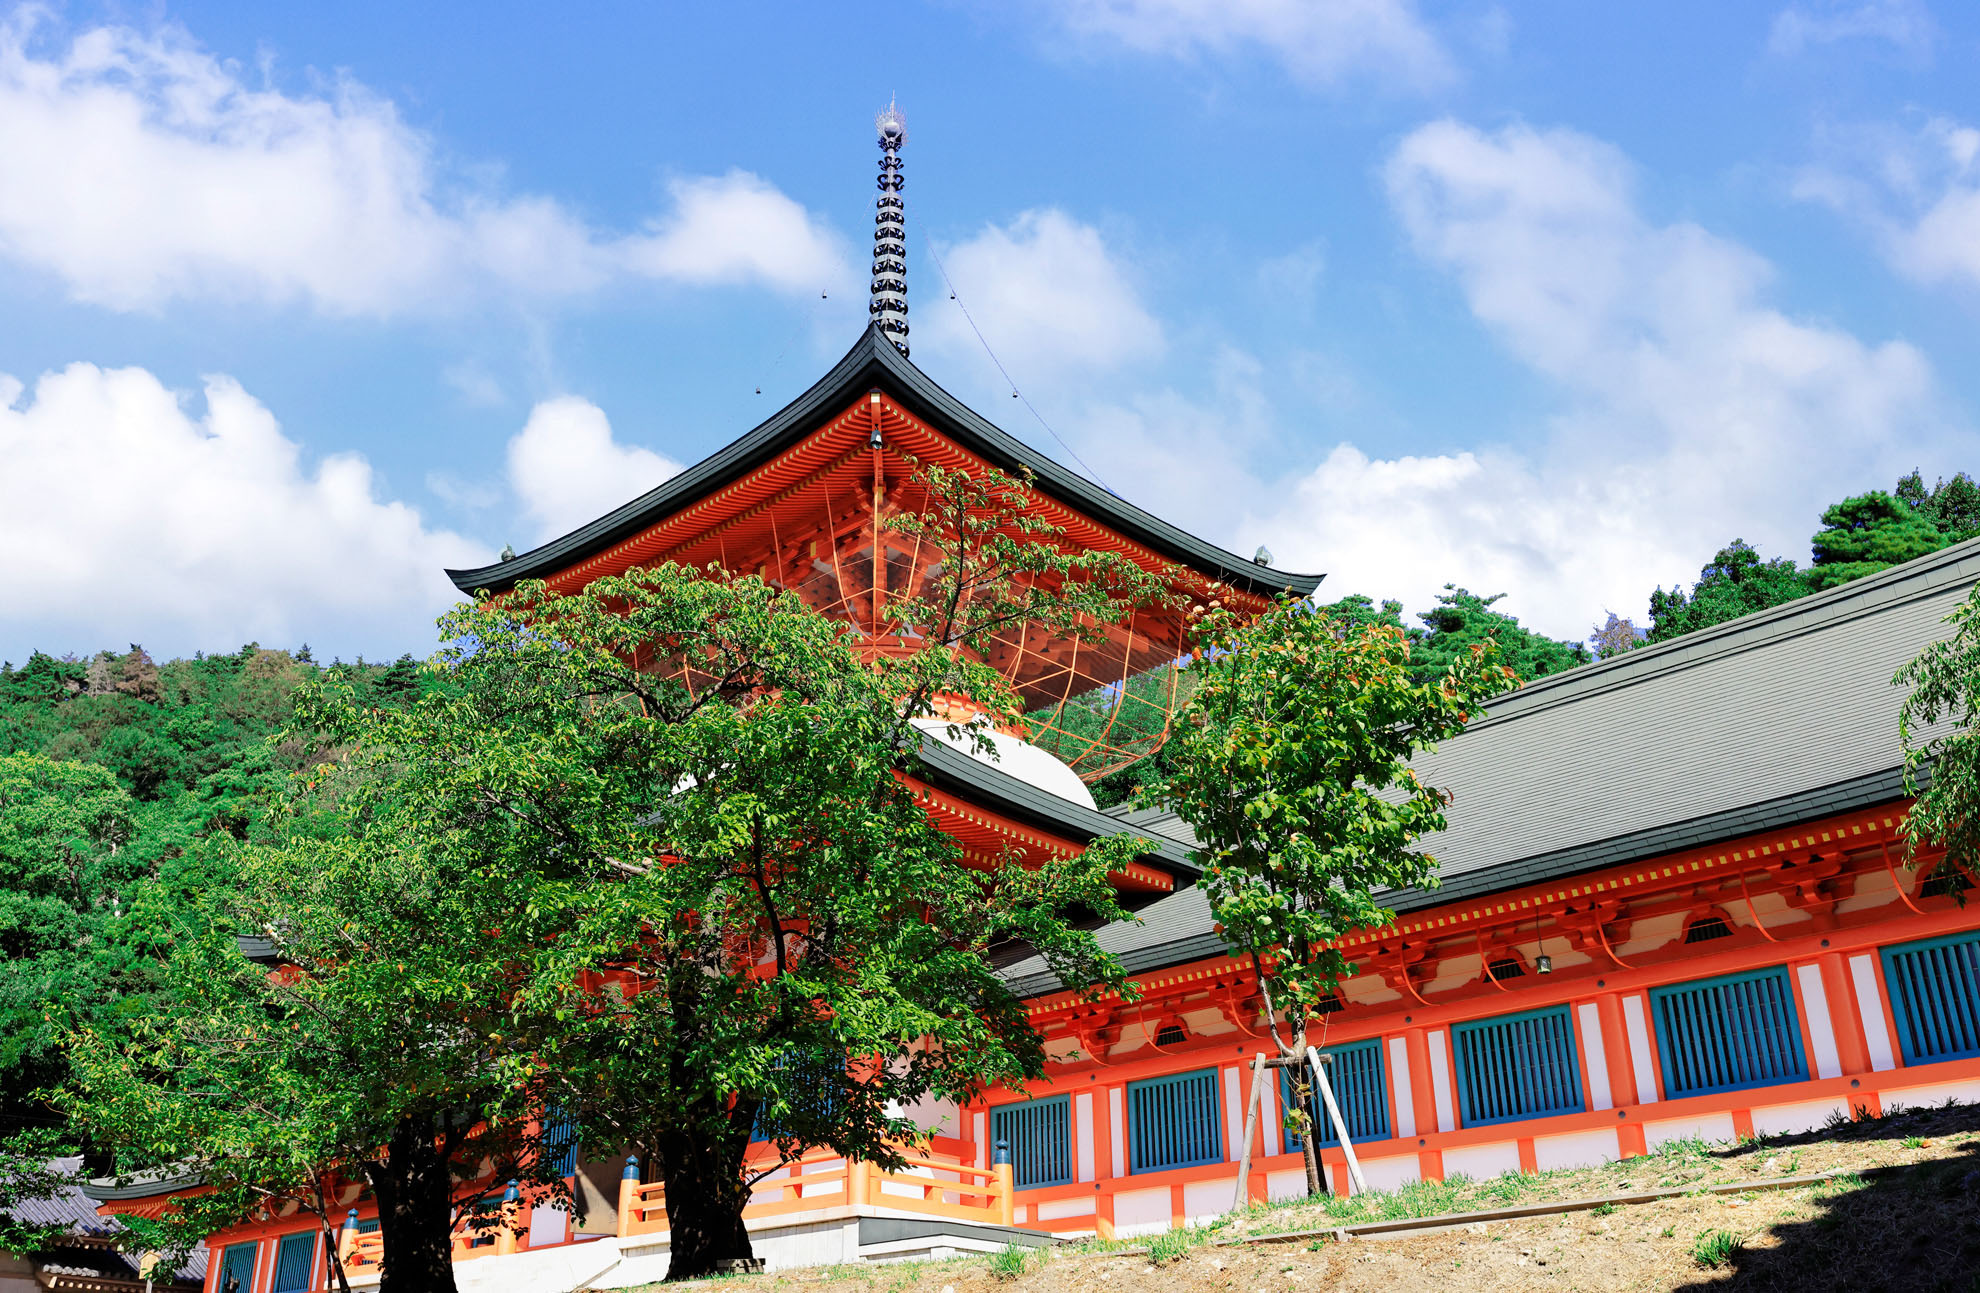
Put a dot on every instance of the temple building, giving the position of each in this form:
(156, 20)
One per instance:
(1673, 902)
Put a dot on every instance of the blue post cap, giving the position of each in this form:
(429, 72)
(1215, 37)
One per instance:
(511, 1194)
(1000, 1153)
(632, 1168)
(350, 1218)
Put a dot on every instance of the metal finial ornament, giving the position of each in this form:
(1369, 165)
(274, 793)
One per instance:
(889, 306)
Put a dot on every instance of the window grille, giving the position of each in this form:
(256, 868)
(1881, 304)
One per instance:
(1356, 1076)
(236, 1269)
(1039, 1133)
(1935, 997)
(293, 1259)
(1329, 1004)
(1174, 1121)
(1517, 1066)
(560, 1141)
(1725, 1034)
(809, 1084)
(1704, 931)
(1170, 1035)
(1508, 968)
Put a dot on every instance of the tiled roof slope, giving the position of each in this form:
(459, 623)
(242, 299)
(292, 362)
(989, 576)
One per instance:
(1780, 716)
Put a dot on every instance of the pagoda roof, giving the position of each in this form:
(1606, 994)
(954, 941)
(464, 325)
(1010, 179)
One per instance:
(873, 364)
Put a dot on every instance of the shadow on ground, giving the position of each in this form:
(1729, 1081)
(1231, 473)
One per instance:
(1889, 1228)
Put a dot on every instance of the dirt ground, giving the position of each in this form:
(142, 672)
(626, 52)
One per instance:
(1907, 1217)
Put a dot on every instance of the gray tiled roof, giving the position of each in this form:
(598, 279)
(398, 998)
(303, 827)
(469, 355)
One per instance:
(1777, 717)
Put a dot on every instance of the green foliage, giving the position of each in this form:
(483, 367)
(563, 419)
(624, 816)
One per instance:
(1941, 746)
(1171, 1246)
(1868, 533)
(1010, 1262)
(122, 776)
(1615, 637)
(681, 783)
(1462, 620)
(1716, 1248)
(1735, 582)
(1952, 506)
(66, 880)
(1291, 763)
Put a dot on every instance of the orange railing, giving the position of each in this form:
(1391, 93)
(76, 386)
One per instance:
(495, 1237)
(932, 1186)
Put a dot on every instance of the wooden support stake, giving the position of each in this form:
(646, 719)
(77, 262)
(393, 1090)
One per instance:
(1340, 1124)
(1243, 1198)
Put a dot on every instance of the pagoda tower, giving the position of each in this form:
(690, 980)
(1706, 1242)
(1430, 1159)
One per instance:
(803, 500)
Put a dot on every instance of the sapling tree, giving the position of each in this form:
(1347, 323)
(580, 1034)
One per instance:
(1936, 729)
(1291, 762)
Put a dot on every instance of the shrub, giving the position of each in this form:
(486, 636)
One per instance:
(1716, 1248)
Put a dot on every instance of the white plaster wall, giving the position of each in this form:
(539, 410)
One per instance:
(1917, 1097)
(548, 1226)
(1399, 1082)
(1712, 1126)
(1870, 1009)
(1083, 1134)
(1141, 1212)
(1205, 1201)
(1786, 1119)
(1052, 1209)
(1482, 1162)
(1576, 1149)
(1821, 1024)
(1391, 1173)
(1284, 1185)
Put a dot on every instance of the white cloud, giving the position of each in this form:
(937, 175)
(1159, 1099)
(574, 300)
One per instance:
(140, 168)
(1917, 193)
(1693, 411)
(566, 469)
(122, 506)
(1904, 24)
(1319, 42)
(1049, 296)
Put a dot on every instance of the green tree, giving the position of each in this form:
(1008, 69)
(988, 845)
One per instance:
(1617, 636)
(1936, 728)
(66, 878)
(1735, 582)
(1952, 506)
(643, 855)
(1867, 533)
(1292, 765)
(1462, 619)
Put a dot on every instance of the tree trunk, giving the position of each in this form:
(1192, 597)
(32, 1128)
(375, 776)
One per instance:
(705, 1200)
(415, 1210)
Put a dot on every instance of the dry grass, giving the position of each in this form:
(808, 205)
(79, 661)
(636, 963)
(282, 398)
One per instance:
(1905, 1216)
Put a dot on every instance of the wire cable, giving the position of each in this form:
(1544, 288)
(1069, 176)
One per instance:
(957, 298)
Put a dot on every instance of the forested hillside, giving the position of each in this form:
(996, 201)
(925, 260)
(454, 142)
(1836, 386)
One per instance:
(122, 781)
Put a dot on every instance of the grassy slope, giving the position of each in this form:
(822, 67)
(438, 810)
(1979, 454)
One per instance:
(1905, 1215)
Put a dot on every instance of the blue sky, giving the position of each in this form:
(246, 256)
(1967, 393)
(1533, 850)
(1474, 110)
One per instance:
(305, 302)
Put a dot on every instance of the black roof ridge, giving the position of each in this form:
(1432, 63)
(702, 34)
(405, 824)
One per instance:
(1907, 581)
(1145, 955)
(873, 358)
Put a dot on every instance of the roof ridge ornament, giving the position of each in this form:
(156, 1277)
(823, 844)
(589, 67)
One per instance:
(889, 305)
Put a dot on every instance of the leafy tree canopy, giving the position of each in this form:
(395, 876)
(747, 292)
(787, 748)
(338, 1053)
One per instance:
(1937, 728)
(1736, 581)
(1952, 506)
(1462, 620)
(1868, 533)
(1292, 765)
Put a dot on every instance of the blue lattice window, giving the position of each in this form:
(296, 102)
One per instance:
(294, 1257)
(1727, 1034)
(1517, 1066)
(1357, 1078)
(1935, 997)
(236, 1269)
(1174, 1121)
(1039, 1133)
